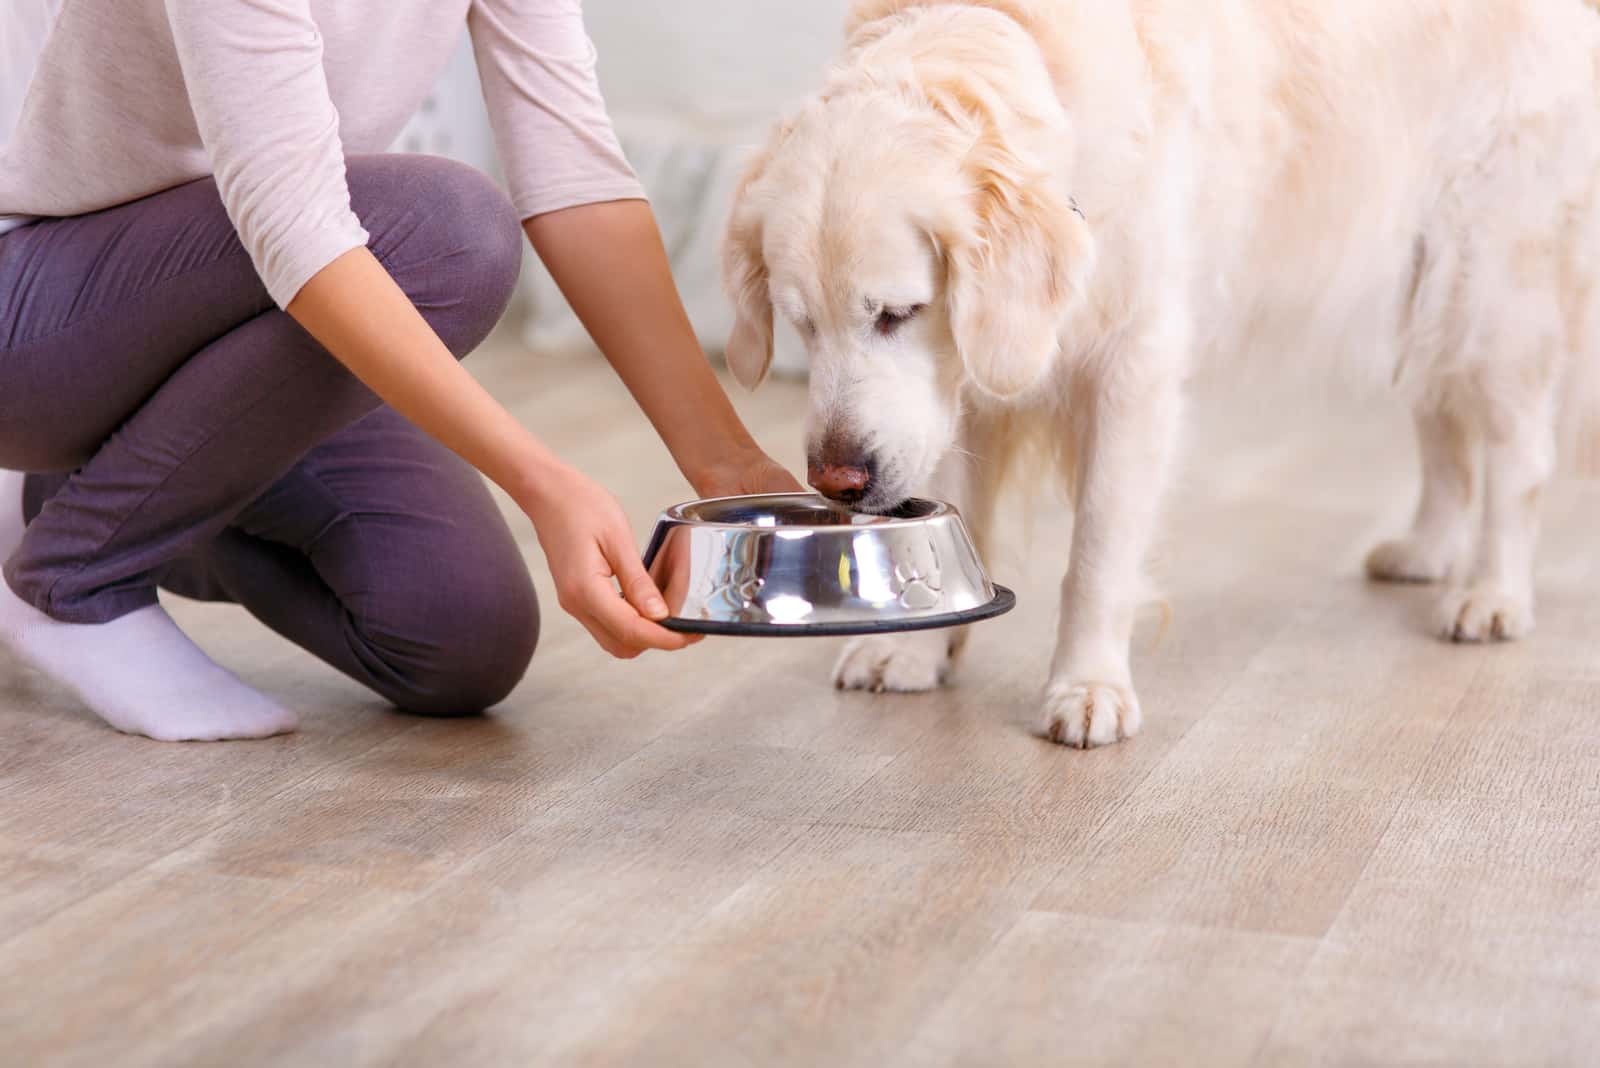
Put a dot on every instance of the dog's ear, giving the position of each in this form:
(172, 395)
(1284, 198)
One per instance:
(1015, 271)
(744, 275)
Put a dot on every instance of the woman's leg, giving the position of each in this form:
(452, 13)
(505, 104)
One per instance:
(383, 554)
(141, 349)
(139, 672)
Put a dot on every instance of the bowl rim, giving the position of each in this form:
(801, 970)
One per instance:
(1003, 601)
(936, 510)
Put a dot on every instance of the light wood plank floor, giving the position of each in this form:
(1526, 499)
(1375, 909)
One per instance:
(1337, 841)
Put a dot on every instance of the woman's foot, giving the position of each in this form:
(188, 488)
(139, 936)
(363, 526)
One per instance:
(140, 673)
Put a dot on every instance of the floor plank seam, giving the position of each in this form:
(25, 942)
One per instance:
(927, 730)
(1128, 796)
(1186, 926)
(1405, 798)
(973, 967)
(7, 939)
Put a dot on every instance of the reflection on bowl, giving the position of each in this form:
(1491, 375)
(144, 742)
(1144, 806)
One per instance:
(798, 564)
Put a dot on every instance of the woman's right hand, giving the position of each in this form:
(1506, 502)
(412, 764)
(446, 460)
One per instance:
(360, 315)
(588, 543)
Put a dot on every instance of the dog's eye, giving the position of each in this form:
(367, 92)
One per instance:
(892, 319)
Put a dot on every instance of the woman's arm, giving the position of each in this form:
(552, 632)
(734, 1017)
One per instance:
(611, 266)
(570, 180)
(280, 171)
(363, 318)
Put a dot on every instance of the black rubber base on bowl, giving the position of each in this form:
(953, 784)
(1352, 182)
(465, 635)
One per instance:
(1004, 601)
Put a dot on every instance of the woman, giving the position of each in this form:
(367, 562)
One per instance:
(229, 337)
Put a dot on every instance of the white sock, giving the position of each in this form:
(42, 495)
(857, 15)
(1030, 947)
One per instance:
(140, 673)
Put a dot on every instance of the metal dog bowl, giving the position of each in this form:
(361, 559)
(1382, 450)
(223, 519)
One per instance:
(797, 564)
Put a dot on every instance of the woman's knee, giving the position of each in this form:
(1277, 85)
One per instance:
(448, 235)
(477, 651)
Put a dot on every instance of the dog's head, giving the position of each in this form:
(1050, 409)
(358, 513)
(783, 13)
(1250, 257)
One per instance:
(914, 224)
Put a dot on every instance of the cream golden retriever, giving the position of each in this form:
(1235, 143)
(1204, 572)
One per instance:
(1004, 218)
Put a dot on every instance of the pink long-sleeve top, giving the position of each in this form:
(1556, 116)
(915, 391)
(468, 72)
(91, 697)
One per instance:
(124, 99)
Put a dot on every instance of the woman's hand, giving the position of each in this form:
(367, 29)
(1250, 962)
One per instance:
(588, 542)
(745, 472)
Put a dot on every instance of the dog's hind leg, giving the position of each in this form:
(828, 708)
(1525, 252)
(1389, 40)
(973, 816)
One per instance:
(1441, 532)
(921, 660)
(1496, 601)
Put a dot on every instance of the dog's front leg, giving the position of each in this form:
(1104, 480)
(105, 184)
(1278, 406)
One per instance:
(921, 660)
(1124, 449)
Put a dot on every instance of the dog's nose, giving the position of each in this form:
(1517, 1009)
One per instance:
(841, 482)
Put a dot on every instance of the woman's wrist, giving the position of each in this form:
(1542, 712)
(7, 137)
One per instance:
(534, 477)
(712, 456)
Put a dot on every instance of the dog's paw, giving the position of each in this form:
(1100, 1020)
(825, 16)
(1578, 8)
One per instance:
(1409, 560)
(1484, 613)
(906, 664)
(1085, 715)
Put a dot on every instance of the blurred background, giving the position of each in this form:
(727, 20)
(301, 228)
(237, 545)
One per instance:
(692, 87)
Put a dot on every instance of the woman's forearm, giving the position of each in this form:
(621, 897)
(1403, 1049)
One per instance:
(361, 316)
(364, 319)
(610, 264)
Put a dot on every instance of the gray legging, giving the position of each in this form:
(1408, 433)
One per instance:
(188, 434)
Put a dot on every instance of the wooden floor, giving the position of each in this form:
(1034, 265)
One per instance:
(1337, 841)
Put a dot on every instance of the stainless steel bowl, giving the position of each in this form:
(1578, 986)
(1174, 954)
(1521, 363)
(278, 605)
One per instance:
(797, 564)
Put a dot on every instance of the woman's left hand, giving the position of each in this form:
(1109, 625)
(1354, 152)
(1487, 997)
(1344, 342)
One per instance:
(748, 472)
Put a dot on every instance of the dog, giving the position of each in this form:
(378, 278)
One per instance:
(1003, 219)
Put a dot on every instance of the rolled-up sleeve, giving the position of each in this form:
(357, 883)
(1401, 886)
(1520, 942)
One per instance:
(555, 139)
(254, 73)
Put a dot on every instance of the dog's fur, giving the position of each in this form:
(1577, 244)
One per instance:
(1078, 199)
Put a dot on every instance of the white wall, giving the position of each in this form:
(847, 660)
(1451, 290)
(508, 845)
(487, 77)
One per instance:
(718, 66)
